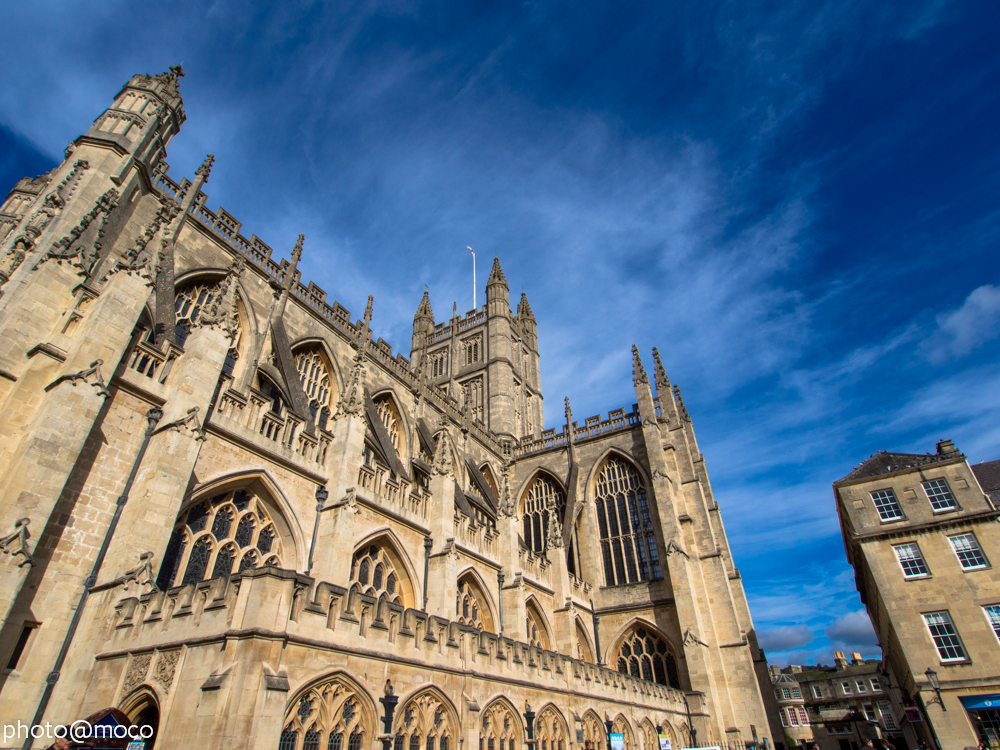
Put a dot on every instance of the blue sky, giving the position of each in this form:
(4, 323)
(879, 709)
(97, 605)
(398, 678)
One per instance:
(796, 202)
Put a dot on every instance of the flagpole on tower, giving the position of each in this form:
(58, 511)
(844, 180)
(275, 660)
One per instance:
(473, 277)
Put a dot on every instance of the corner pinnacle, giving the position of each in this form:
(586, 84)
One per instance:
(638, 371)
(496, 274)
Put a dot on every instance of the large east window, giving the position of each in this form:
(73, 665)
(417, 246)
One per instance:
(939, 495)
(628, 546)
(968, 552)
(944, 635)
(911, 561)
(887, 505)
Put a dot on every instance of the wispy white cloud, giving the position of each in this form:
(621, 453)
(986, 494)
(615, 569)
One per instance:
(784, 637)
(961, 331)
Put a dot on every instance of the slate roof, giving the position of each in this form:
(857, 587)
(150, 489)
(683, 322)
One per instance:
(988, 474)
(884, 462)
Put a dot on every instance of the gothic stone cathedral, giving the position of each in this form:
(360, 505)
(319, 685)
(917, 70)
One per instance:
(231, 513)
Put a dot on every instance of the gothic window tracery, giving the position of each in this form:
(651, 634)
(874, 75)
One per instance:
(387, 412)
(232, 530)
(327, 717)
(470, 604)
(622, 727)
(541, 496)
(628, 545)
(646, 656)
(535, 631)
(473, 349)
(316, 382)
(425, 724)
(375, 573)
(593, 731)
(438, 363)
(549, 733)
(189, 302)
(500, 728)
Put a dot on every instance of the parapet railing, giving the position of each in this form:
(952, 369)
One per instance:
(617, 421)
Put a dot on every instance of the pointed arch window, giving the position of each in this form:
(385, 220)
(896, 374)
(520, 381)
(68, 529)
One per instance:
(535, 631)
(470, 604)
(499, 728)
(375, 573)
(326, 717)
(230, 532)
(542, 498)
(389, 414)
(189, 302)
(314, 373)
(628, 545)
(549, 733)
(646, 656)
(425, 723)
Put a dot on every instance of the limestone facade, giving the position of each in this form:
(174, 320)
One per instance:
(232, 513)
(921, 532)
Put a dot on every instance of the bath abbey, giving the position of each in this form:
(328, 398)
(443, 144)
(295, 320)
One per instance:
(232, 513)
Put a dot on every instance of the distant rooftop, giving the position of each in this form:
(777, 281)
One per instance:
(884, 462)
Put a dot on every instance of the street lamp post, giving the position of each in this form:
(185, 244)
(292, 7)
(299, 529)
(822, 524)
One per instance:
(388, 701)
(609, 725)
(529, 723)
(932, 678)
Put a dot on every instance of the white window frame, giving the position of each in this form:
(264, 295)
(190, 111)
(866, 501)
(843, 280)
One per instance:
(888, 718)
(846, 687)
(796, 693)
(803, 716)
(992, 612)
(935, 493)
(909, 552)
(817, 691)
(889, 503)
(974, 549)
(876, 685)
(869, 710)
(784, 719)
(786, 694)
(862, 688)
(942, 619)
(793, 718)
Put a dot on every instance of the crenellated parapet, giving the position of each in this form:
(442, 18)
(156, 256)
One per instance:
(273, 604)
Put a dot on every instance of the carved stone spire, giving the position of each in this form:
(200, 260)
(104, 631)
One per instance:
(424, 308)
(496, 274)
(206, 168)
(524, 309)
(660, 375)
(638, 371)
(569, 412)
(288, 275)
(681, 409)
(368, 311)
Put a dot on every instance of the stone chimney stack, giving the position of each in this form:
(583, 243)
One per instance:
(839, 659)
(856, 658)
(947, 448)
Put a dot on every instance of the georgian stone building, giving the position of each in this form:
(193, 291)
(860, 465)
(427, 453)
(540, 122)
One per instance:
(231, 513)
(921, 532)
